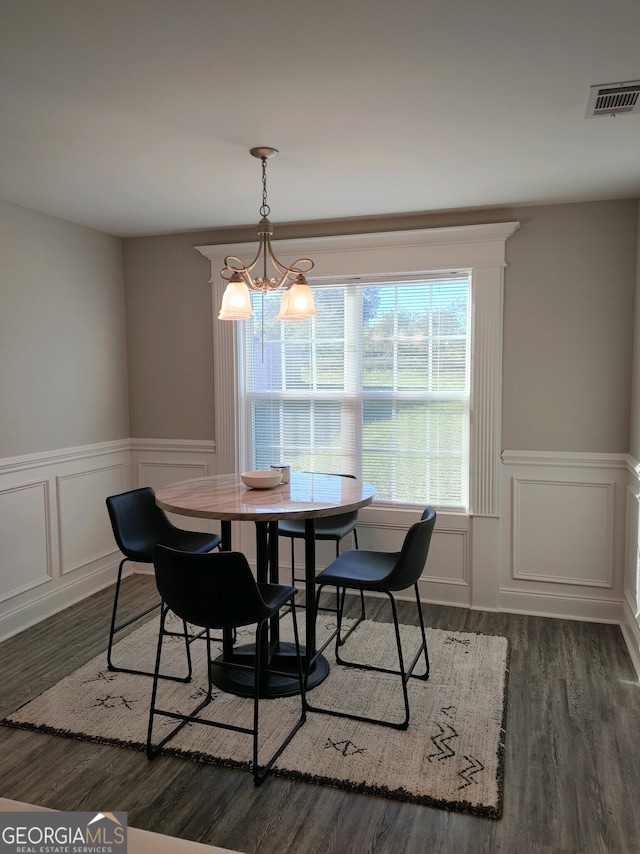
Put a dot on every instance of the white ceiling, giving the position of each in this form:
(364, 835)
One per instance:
(135, 116)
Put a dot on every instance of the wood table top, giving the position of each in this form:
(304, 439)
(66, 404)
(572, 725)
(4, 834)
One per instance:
(225, 497)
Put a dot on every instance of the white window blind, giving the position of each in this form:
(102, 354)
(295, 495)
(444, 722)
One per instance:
(377, 385)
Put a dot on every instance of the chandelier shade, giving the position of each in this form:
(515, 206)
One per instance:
(236, 301)
(297, 300)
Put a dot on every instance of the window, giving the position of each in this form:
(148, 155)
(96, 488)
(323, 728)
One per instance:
(376, 385)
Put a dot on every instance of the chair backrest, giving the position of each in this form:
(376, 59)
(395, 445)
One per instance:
(408, 568)
(215, 590)
(138, 523)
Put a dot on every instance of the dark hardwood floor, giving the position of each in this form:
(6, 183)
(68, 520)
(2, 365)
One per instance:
(572, 777)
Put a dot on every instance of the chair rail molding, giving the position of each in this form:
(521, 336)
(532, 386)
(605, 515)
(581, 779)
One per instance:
(177, 446)
(61, 455)
(574, 459)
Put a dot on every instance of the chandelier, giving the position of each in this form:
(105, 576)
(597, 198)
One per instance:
(297, 299)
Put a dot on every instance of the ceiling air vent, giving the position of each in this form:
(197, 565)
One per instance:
(614, 99)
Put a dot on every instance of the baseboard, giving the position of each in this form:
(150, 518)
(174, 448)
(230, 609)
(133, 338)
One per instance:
(24, 616)
(590, 609)
(631, 635)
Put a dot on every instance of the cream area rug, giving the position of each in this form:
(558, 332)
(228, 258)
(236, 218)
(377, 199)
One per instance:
(451, 756)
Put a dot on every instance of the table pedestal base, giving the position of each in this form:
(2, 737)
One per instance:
(240, 680)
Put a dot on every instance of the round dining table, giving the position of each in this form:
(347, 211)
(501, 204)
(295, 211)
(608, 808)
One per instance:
(307, 496)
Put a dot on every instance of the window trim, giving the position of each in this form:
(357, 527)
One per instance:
(480, 248)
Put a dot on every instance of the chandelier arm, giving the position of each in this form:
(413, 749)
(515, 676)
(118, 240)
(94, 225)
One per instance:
(292, 270)
(290, 273)
(299, 271)
(238, 265)
(233, 264)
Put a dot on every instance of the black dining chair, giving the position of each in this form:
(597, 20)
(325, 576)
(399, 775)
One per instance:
(388, 573)
(327, 528)
(139, 524)
(218, 591)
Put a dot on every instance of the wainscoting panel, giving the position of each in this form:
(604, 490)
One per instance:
(563, 534)
(574, 546)
(25, 534)
(57, 545)
(631, 604)
(632, 574)
(84, 529)
(448, 561)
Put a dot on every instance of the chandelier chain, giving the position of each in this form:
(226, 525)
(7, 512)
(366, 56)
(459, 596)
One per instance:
(265, 210)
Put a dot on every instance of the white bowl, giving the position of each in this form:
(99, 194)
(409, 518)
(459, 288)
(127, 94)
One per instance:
(261, 479)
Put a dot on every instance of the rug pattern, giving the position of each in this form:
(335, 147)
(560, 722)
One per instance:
(451, 756)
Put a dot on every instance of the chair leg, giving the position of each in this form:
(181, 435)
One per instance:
(260, 773)
(115, 628)
(340, 638)
(293, 562)
(152, 751)
(338, 604)
(425, 675)
(362, 611)
(408, 673)
(355, 542)
(404, 674)
(340, 597)
(335, 636)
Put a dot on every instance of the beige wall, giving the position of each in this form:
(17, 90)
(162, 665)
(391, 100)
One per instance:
(170, 335)
(569, 297)
(568, 328)
(63, 381)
